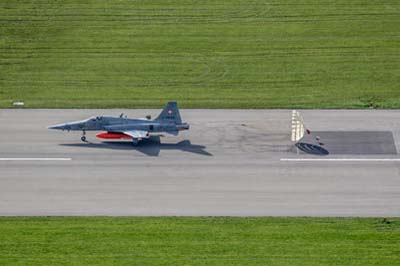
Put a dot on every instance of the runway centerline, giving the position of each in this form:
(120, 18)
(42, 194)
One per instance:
(35, 159)
(340, 159)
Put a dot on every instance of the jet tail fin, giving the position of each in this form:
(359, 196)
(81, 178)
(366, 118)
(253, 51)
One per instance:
(170, 113)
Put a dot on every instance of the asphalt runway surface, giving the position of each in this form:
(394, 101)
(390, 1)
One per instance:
(230, 163)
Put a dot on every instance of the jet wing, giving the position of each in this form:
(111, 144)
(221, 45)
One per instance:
(137, 134)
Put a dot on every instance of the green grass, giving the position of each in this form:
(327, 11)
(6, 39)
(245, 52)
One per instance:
(199, 241)
(202, 53)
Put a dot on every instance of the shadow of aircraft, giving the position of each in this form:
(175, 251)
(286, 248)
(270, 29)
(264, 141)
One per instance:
(312, 149)
(150, 147)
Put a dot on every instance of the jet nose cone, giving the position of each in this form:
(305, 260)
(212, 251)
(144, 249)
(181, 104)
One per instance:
(60, 127)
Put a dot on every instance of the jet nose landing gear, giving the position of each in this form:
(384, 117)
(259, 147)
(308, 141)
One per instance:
(83, 138)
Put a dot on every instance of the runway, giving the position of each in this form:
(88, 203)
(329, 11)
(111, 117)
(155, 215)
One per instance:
(230, 163)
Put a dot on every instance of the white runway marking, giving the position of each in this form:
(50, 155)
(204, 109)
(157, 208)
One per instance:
(340, 160)
(297, 126)
(35, 159)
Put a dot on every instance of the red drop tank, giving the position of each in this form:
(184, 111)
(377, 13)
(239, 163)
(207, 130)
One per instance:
(111, 135)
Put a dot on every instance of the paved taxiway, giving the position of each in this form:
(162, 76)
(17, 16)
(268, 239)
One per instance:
(231, 162)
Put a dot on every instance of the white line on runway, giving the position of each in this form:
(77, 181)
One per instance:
(35, 159)
(340, 160)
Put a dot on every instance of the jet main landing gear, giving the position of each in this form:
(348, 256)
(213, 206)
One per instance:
(135, 142)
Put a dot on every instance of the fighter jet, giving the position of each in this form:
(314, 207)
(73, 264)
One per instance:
(169, 121)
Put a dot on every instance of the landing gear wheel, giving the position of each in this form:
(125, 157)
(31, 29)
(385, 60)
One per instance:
(83, 138)
(135, 142)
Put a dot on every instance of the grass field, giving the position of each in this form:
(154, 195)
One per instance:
(202, 53)
(199, 241)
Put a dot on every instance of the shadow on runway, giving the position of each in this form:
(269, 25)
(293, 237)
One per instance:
(150, 147)
(312, 149)
(348, 142)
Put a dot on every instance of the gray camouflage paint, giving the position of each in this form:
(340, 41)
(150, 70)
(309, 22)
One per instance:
(169, 121)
